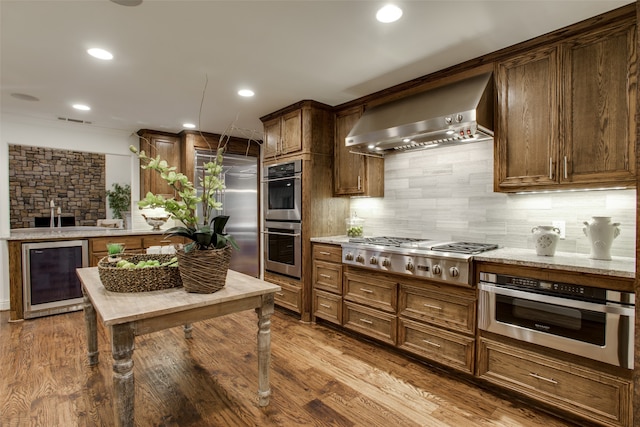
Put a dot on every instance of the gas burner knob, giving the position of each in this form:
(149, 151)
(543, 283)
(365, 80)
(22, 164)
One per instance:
(373, 260)
(409, 266)
(386, 262)
(437, 270)
(348, 256)
(454, 272)
(360, 258)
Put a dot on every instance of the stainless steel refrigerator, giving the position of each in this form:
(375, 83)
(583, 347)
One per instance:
(240, 203)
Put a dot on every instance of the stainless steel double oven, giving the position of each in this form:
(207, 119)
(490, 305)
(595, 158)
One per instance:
(282, 184)
(591, 322)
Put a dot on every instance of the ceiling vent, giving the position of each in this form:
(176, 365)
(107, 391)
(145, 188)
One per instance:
(66, 119)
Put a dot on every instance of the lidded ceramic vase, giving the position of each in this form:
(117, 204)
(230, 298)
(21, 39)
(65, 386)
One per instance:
(546, 239)
(601, 232)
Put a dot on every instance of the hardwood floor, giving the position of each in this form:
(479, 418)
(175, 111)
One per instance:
(319, 377)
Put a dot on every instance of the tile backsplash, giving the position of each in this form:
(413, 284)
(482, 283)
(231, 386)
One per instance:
(447, 193)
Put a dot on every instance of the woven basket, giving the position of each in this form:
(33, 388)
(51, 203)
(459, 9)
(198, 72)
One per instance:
(204, 271)
(139, 279)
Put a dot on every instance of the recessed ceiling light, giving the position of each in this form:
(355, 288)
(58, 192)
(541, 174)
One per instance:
(188, 125)
(24, 97)
(81, 107)
(247, 93)
(389, 13)
(127, 2)
(100, 53)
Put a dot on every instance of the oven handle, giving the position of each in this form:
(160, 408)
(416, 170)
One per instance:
(282, 234)
(566, 302)
(296, 176)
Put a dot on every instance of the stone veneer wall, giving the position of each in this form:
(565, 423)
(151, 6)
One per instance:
(74, 180)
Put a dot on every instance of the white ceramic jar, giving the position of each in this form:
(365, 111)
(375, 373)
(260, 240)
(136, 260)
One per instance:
(601, 232)
(546, 239)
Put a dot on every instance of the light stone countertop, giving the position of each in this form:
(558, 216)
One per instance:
(618, 267)
(66, 233)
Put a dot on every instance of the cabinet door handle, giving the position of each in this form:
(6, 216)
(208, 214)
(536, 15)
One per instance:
(565, 167)
(540, 377)
(550, 167)
(326, 276)
(359, 182)
(367, 321)
(432, 343)
(325, 253)
(435, 307)
(367, 291)
(325, 305)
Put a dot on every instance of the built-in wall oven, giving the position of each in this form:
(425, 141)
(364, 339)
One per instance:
(587, 321)
(283, 191)
(49, 279)
(283, 248)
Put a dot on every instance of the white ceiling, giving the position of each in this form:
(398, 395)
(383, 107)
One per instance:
(286, 51)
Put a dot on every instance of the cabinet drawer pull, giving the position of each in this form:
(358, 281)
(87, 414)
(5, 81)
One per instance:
(280, 294)
(432, 343)
(367, 321)
(549, 380)
(325, 305)
(367, 291)
(325, 253)
(326, 276)
(435, 307)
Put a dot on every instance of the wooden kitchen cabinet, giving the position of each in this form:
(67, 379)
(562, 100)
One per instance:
(154, 144)
(566, 113)
(438, 322)
(595, 395)
(132, 244)
(327, 282)
(290, 296)
(301, 128)
(354, 174)
(283, 135)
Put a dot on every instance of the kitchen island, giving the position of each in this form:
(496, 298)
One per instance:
(95, 238)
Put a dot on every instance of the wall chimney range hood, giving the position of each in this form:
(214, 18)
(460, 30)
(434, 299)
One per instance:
(457, 113)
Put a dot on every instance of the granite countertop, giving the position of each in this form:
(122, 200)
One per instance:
(46, 233)
(618, 267)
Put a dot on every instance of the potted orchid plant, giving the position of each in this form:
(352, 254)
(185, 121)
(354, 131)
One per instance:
(206, 232)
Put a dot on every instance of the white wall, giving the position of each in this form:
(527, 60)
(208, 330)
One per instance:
(18, 130)
(447, 193)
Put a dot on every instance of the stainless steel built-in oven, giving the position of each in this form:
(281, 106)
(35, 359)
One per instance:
(283, 191)
(283, 248)
(49, 279)
(587, 321)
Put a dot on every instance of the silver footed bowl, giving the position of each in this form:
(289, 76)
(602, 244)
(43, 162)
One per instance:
(155, 221)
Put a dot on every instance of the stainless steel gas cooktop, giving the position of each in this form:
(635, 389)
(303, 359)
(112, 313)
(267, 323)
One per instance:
(445, 261)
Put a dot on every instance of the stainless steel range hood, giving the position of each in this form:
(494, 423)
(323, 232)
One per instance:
(458, 113)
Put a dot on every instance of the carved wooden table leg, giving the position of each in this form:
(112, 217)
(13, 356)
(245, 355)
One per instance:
(92, 331)
(264, 348)
(188, 327)
(123, 382)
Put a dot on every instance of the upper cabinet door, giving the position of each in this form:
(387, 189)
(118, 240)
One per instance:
(271, 144)
(291, 128)
(600, 106)
(528, 126)
(168, 148)
(354, 174)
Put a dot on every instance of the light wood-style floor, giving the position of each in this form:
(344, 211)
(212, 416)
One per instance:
(319, 377)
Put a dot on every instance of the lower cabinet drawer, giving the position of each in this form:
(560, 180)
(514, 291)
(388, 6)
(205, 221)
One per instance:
(448, 348)
(592, 394)
(327, 306)
(370, 322)
(289, 297)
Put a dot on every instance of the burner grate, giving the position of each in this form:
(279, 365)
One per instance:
(385, 241)
(465, 247)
